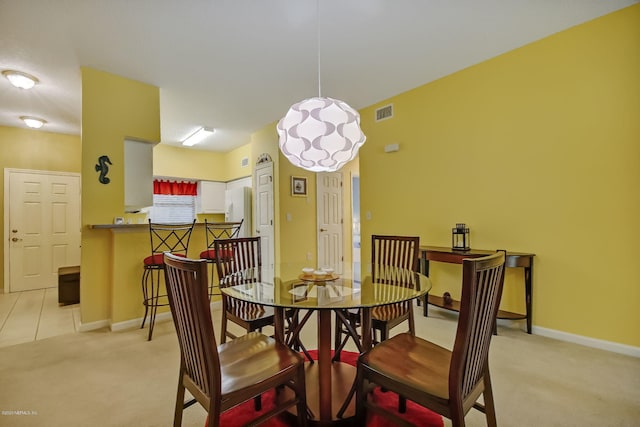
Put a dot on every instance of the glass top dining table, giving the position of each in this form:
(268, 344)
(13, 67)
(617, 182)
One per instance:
(328, 382)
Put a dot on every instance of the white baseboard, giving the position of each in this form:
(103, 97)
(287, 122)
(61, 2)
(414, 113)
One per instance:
(587, 341)
(134, 323)
(92, 326)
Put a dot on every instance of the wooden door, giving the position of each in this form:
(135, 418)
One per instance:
(264, 217)
(330, 220)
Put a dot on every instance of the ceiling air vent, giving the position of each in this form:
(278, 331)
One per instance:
(384, 113)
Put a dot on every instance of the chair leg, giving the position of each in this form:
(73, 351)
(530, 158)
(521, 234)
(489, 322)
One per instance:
(402, 404)
(155, 292)
(211, 278)
(145, 295)
(457, 414)
(489, 405)
(361, 396)
(301, 392)
(257, 403)
(177, 417)
(223, 327)
(337, 338)
(411, 320)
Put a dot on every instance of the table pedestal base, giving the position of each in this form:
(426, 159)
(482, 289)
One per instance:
(342, 378)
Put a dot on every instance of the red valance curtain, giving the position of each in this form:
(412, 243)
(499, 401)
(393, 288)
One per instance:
(174, 188)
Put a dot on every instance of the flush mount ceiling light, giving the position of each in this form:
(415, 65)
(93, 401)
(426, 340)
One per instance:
(320, 134)
(33, 122)
(197, 136)
(19, 79)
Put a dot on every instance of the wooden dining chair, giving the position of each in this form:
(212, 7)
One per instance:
(220, 377)
(393, 259)
(241, 264)
(446, 382)
(214, 231)
(173, 238)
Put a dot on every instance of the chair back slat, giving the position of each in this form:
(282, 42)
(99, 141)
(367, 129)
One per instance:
(394, 261)
(482, 283)
(172, 238)
(241, 264)
(394, 258)
(187, 288)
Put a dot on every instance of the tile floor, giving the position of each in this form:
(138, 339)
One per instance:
(35, 315)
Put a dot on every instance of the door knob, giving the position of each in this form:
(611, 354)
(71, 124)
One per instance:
(323, 229)
(15, 239)
(14, 231)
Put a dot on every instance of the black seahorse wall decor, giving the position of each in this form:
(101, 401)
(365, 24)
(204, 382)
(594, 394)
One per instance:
(102, 167)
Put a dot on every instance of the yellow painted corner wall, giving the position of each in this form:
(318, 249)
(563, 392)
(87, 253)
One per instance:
(35, 150)
(233, 161)
(537, 150)
(298, 216)
(113, 108)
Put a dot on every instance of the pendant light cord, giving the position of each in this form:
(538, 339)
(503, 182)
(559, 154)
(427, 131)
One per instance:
(318, 42)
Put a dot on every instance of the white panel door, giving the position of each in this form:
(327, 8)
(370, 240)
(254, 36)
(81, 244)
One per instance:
(264, 218)
(44, 228)
(330, 252)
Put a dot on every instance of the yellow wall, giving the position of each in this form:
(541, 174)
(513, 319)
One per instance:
(298, 237)
(537, 150)
(113, 108)
(201, 165)
(35, 150)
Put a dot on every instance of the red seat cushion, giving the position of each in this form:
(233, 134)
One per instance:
(157, 259)
(211, 254)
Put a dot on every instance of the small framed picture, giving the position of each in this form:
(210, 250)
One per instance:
(298, 186)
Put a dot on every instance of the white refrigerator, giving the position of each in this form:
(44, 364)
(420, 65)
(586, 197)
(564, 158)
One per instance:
(237, 206)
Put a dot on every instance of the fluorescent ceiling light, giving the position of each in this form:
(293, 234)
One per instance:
(19, 79)
(33, 122)
(197, 136)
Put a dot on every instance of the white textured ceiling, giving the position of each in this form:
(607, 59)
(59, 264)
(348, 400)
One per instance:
(237, 65)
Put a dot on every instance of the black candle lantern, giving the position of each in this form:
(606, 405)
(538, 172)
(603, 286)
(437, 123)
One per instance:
(460, 238)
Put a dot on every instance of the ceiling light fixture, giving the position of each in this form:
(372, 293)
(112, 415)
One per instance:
(320, 134)
(33, 122)
(197, 136)
(19, 79)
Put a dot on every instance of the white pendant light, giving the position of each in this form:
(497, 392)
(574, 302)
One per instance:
(33, 122)
(320, 134)
(19, 79)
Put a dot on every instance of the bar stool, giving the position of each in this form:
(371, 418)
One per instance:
(173, 238)
(213, 232)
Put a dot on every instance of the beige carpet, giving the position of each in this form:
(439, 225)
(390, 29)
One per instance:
(119, 379)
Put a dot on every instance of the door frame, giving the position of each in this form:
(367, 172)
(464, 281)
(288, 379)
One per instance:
(319, 209)
(6, 232)
(267, 270)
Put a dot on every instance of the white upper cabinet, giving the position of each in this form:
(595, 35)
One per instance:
(211, 197)
(138, 175)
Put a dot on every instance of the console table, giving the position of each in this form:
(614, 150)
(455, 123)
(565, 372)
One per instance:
(513, 259)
